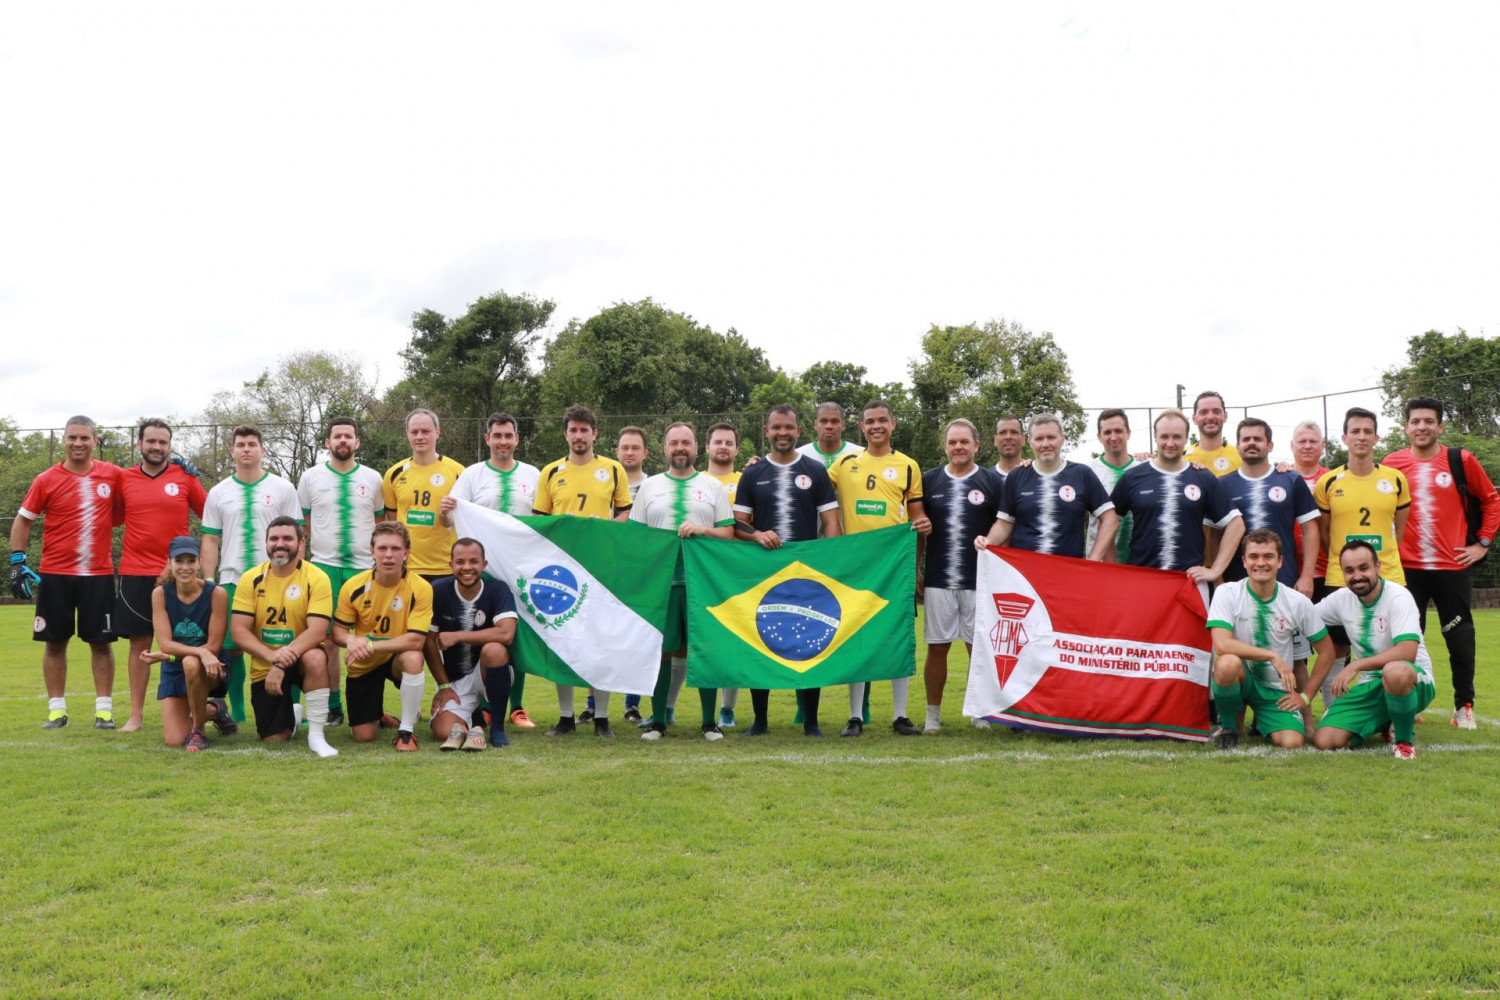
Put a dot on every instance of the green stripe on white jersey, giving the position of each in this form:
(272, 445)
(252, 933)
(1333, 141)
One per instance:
(1374, 628)
(341, 507)
(510, 491)
(665, 501)
(1271, 625)
(239, 513)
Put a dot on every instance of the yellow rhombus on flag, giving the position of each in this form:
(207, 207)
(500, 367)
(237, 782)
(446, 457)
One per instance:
(808, 615)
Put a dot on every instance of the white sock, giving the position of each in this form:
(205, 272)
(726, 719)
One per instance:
(565, 701)
(317, 718)
(934, 716)
(899, 688)
(601, 705)
(104, 704)
(857, 701)
(729, 697)
(679, 677)
(297, 716)
(412, 686)
(57, 704)
(1327, 688)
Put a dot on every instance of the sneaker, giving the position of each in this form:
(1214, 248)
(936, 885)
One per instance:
(497, 738)
(564, 726)
(601, 728)
(389, 721)
(456, 739)
(982, 723)
(854, 728)
(932, 728)
(1403, 751)
(474, 739)
(633, 716)
(521, 720)
(196, 742)
(712, 733)
(104, 720)
(406, 742)
(1228, 739)
(55, 720)
(586, 717)
(1463, 718)
(644, 723)
(812, 730)
(904, 727)
(726, 718)
(335, 717)
(656, 731)
(224, 722)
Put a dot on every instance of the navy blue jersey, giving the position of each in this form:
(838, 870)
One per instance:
(960, 509)
(451, 613)
(1170, 511)
(1278, 501)
(1050, 513)
(786, 499)
(189, 621)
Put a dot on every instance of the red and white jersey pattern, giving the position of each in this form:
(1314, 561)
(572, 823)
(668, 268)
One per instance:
(1437, 526)
(156, 511)
(78, 513)
(1321, 570)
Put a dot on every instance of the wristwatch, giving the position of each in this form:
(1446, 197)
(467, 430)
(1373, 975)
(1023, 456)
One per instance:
(1486, 542)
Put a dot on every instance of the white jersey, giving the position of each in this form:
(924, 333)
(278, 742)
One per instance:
(512, 492)
(1109, 475)
(239, 512)
(664, 501)
(1272, 624)
(341, 508)
(1374, 628)
(811, 450)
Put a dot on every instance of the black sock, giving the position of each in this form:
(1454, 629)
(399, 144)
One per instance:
(497, 691)
(760, 704)
(807, 699)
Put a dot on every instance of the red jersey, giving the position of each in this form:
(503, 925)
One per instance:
(156, 511)
(1321, 570)
(80, 513)
(1436, 528)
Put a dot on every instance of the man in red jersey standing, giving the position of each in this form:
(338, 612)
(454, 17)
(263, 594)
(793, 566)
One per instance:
(79, 502)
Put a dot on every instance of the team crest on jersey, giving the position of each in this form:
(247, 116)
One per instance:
(602, 475)
(1221, 464)
(293, 592)
(437, 479)
(1381, 625)
(267, 500)
(1067, 494)
(362, 491)
(1384, 486)
(552, 596)
(103, 490)
(976, 497)
(38, 623)
(804, 482)
(478, 617)
(1280, 625)
(889, 475)
(1276, 494)
(524, 489)
(1191, 491)
(396, 602)
(699, 496)
(1443, 479)
(170, 489)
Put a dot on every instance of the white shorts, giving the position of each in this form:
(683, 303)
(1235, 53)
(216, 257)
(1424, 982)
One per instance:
(469, 689)
(949, 617)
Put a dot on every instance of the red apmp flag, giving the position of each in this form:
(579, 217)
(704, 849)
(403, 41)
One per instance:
(1092, 649)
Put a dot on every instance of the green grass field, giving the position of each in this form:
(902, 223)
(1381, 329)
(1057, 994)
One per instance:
(971, 864)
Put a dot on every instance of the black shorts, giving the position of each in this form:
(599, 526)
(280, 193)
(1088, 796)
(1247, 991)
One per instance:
(62, 599)
(364, 696)
(133, 606)
(273, 713)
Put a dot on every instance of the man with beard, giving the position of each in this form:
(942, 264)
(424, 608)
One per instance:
(1046, 507)
(1212, 451)
(1113, 427)
(723, 447)
(1010, 439)
(1277, 501)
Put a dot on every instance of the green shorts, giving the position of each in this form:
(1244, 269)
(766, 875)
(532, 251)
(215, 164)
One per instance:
(230, 649)
(1363, 710)
(1261, 698)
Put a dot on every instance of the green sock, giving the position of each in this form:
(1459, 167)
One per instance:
(236, 686)
(1403, 712)
(797, 716)
(865, 708)
(708, 700)
(1229, 701)
(335, 701)
(517, 688)
(662, 689)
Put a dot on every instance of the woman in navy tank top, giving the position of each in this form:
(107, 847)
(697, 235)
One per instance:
(190, 616)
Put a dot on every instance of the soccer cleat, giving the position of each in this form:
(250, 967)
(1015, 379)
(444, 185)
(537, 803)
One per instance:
(904, 727)
(1228, 739)
(474, 739)
(813, 731)
(521, 720)
(456, 738)
(854, 728)
(104, 720)
(633, 716)
(646, 723)
(726, 718)
(1463, 717)
(982, 723)
(757, 728)
(222, 721)
(55, 720)
(712, 733)
(335, 717)
(586, 716)
(389, 721)
(654, 733)
(601, 728)
(564, 726)
(196, 742)
(1403, 751)
(406, 742)
(932, 729)
(497, 738)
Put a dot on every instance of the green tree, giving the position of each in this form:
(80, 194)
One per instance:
(471, 366)
(1460, 370)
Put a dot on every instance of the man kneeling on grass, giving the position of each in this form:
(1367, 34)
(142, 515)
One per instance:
(1389, 677)
(473, 625)
(1254, 623)
(382, 620)
(280, 618)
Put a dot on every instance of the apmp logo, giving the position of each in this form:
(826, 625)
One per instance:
(1276, 494)
(1009, 637)
(170, 489)
(1191, 491)
(1443, 479)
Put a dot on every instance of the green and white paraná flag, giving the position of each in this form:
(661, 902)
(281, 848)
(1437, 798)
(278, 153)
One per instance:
(591, 594)
(808, 614)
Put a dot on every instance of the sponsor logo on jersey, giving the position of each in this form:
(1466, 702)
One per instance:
(976, 497)
(552, 596)
(1443, 479)
(1067, 494)
(170, 489)
(437, 479)
(1191, 491)
(803, 482)
(870, 508)
(889, 475)
(1374, 540)
(293, 592)
(421, 518)
(103, 490)
(1384, 486)
(602, 475)
(396, 602)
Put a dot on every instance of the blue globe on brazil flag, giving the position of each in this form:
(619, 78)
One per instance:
(797, 619)
(553, 590)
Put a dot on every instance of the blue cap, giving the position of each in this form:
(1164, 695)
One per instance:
(183, 545)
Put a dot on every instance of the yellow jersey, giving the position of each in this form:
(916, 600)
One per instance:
(369, 609)
(597, 488)
(731, 481)
(1363, 507)
(874, 490)
(1221, 461)
(282, 605)
(412, 493)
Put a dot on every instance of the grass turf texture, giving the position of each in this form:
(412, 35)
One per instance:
(970, 864)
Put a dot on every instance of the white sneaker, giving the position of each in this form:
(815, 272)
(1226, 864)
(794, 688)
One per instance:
(932, 728)
(981, 723)
(1463, 718)
(456, 738)
(652, 734)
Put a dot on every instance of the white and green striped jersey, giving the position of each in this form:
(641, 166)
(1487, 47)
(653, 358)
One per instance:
(341, 508)
(1272, 624)
(1109, 475)
(1374, 628)
(664, 501)
(510, 492)
(238, 513)
(812, 450)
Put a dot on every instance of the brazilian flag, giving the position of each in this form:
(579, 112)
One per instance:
(806, 615)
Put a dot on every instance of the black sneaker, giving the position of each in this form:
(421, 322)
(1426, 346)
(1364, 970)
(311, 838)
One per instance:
(712, 733)
(601, 728)
(812, 730)
(633, 716)
(222, 721)
(335, 717)
(586, 717)
(903, 727)
(854, 728)
(756, 728)
(56, 720)
(1229, 739)
(564, 727)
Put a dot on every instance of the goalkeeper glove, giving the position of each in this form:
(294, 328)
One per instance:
(187, 466)
(23, 578)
